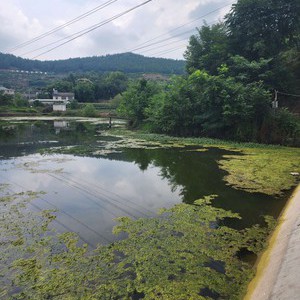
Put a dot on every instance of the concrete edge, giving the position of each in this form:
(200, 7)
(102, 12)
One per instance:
(269, 263)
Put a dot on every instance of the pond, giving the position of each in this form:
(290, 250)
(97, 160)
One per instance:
(91, 178)
(68, 183)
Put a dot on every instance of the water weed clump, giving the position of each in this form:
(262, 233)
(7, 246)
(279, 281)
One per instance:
(182, 253)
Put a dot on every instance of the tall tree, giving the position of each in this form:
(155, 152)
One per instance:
(136, 99)
(263, 28)
(208, 49)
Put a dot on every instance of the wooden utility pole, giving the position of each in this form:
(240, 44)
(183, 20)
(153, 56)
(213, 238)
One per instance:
(275, 102)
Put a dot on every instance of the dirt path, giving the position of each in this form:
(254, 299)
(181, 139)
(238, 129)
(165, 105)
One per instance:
(278, 271)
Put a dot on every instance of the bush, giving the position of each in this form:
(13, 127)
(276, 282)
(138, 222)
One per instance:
(89, 110)
(281, 128)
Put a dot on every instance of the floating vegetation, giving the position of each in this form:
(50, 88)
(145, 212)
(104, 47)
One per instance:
(254, 167)
(262, 170)
(35, 166)
(182, 254)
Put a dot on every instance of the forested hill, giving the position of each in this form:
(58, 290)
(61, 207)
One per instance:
(126, 62)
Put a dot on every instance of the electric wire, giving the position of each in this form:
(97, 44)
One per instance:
(177, 48)
(179, 27)
(58, 28)
(92, 28)
(85, 191)
(164, 40)
(168, 50)
(287, 94)
(55, 220)
(61, 211)
(100, 191)
(85, 31)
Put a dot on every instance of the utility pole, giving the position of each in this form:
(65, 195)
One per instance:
(275, 102)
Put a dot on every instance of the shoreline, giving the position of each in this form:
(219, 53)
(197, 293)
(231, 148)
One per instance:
(274, 277)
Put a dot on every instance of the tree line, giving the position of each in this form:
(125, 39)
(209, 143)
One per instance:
(233, 68)
(125, 62)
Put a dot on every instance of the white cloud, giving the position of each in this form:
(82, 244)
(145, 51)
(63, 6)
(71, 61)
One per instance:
(22, 20)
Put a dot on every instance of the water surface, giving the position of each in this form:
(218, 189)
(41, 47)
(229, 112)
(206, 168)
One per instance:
(89, 189)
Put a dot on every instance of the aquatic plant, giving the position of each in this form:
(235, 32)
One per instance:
(253, 167)
(262, 170)
(184, 253)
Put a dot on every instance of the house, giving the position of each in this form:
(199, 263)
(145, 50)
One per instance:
(66, 97)
(6, 91)
(61, 125)
(57, 98)
(59, 107)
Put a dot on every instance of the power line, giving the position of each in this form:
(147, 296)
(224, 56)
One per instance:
(168, 50)
(86, 192)
(173, 49)
(100, 190)
(63, 225)
(286, 94)
(164, 40)
(94, 27)
(139, 46)
(63, 212)
(88, 13)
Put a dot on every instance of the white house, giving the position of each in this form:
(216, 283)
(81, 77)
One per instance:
(66, 97)
(57, 98)
(59, 107)
(6, 91)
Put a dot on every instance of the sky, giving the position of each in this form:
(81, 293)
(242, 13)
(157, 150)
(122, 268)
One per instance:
(159, 28)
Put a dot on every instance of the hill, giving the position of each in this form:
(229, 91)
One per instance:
(125, 62)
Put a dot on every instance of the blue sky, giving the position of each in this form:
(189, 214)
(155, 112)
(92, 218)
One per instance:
(23, 20)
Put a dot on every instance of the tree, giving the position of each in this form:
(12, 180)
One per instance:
(89, 110)
(110, 85)
(136, 99)
(5, 99)
(263, 28)
(172, 111)
(214, 106)
(19, 101)
(84, 92)
(208, 49)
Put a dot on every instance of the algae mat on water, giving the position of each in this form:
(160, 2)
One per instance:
(253, 167)
(182, 254)
(268, 170)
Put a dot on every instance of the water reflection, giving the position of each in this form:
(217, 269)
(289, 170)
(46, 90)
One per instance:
(90, 192)
(60, 125)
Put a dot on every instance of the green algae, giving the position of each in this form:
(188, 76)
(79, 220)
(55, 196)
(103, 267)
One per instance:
(262, 170)
(181, 254)
(253, 167)
(37, 165)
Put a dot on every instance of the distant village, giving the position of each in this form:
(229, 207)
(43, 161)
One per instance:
(59, 100)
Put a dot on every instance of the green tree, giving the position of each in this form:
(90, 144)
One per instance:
(208, 49)
(19, 101)
(61, 86)
(172, 111)
(215, 106)
(263, 28)
(136, 99)
(89, 110)
(84, 92)
(6, 99)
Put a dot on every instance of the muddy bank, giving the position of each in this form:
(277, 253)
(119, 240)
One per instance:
(278, 268)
